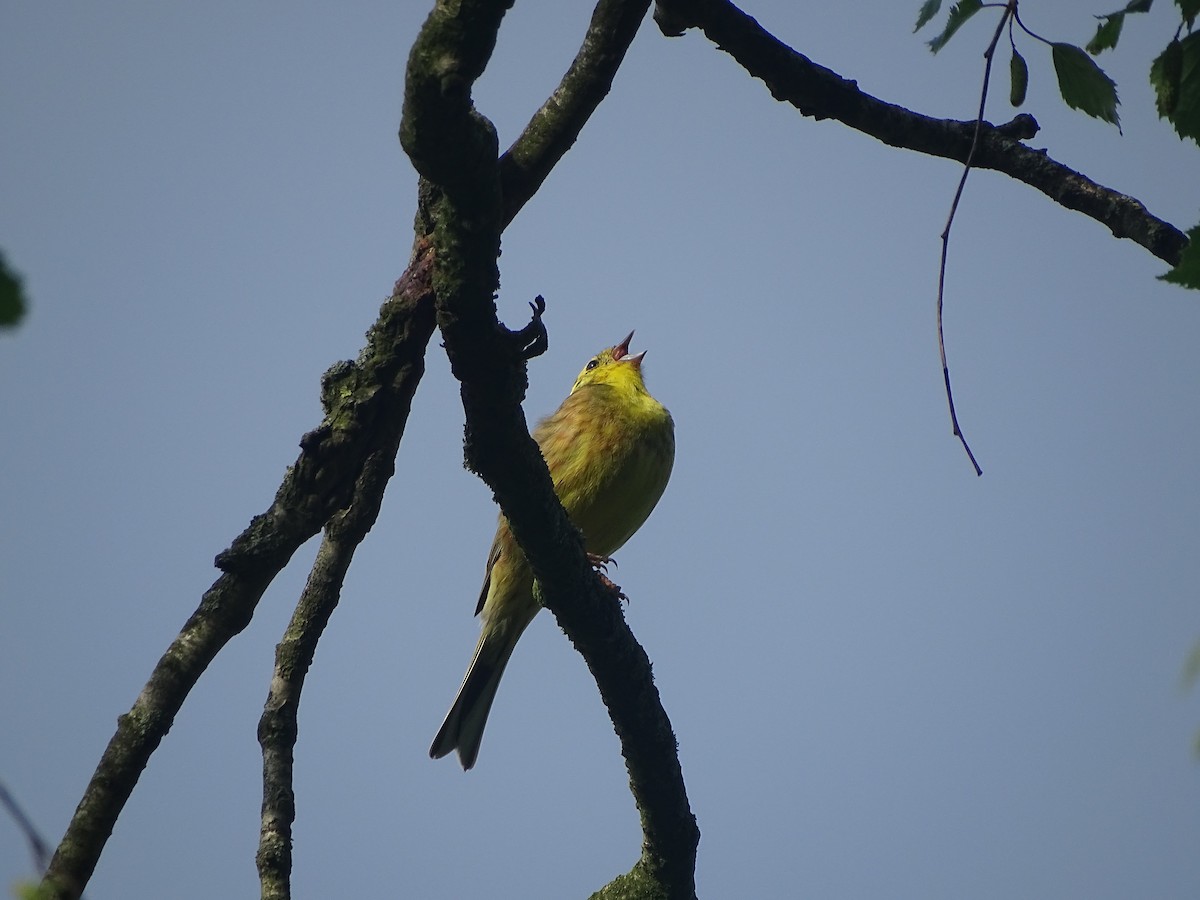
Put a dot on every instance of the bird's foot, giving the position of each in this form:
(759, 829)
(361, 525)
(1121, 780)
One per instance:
(600, 564)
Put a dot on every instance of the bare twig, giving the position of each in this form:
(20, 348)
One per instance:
(958, 192)
(38, 848)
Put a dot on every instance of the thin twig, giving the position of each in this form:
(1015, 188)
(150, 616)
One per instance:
(38, 848)
(1033, 34)
(958, 192)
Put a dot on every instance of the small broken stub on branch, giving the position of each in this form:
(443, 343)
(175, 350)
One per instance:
(532, 340)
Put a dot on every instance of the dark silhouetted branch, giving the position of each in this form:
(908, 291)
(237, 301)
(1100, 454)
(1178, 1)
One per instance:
(37, 846)
(557, 124)
(823, 94)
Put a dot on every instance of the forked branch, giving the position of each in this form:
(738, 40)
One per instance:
(366, 407)
(467, 218)
(556, 125)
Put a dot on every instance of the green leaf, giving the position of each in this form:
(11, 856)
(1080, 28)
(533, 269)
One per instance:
(1019, 75)
(1187, 110)
(1165, 73)
(928, 10)
(1189, 9)
(1083, 84)
(1175, 74)
(959, 13)
(12, 297)
(1107, 33)
(1191, 667)
(1187, 274)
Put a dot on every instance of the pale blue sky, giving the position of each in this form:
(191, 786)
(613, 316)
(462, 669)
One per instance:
(889, 678)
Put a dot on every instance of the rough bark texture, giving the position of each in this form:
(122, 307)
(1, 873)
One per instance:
(442, 132)
(366, 407)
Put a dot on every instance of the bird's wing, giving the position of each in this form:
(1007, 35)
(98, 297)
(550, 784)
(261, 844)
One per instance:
(491, 562)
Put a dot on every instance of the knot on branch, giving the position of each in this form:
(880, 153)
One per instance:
(671, 20)
(334, 384)
(1022, 128)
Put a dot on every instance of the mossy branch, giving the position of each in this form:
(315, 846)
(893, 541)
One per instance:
(555, 127)
(345, 462)
(488, 362)
(367, 404)
(278, 727)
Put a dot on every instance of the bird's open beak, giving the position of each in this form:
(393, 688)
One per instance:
(621, 352)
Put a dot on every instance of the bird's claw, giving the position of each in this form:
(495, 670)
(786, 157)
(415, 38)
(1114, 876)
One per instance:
(532, 340)
(600, 564)
(615, 588)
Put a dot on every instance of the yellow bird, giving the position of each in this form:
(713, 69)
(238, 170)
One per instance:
(609, 448)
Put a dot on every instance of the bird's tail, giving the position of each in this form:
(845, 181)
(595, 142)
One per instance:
(463, 728)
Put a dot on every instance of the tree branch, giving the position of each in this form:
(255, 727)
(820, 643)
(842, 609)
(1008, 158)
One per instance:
(278, 727)
(555, 127)
(823, 94)
(367, 404)
(468, 217)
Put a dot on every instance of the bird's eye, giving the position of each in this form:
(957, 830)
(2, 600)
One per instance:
(591, 365)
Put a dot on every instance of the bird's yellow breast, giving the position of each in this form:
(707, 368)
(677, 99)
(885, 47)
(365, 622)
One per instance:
(610, 448)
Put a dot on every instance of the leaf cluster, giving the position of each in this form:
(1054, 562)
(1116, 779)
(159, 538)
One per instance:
(1083, 85)
(1081, 82)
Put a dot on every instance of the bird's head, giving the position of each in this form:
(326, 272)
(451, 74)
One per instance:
(613, 366)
